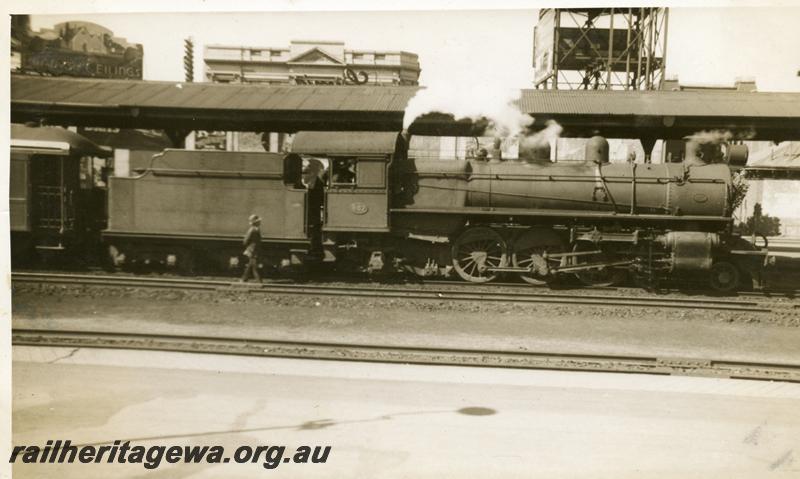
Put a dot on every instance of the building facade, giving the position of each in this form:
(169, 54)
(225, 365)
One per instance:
(309, 62)
(79, 49)
(301, 63)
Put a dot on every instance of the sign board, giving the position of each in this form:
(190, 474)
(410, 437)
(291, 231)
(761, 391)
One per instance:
(349, 77)
(579, 49)
(543, 46)
(81, 49)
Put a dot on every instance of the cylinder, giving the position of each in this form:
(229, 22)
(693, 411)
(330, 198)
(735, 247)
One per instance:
(597, 150)
(690, 250)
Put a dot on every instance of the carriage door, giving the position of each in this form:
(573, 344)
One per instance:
(53, 185)
(357, 196)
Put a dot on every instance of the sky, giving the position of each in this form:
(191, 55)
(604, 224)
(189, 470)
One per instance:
(468, 49)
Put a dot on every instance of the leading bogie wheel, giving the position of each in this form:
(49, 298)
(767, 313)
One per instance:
(475, 251)
(724, 277)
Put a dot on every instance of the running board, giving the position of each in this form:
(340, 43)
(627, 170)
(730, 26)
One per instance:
(50, 248)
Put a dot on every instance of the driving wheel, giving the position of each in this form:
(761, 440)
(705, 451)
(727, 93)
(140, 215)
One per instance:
(475, 251)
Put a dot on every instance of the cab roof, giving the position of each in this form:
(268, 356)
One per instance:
(343, 143)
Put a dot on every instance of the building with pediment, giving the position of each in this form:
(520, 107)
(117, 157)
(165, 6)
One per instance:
(302, 63)
(309, 62)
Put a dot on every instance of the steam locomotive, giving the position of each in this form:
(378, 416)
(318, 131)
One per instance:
(478, 219)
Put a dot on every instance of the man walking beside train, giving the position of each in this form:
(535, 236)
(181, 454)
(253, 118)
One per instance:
(252, 248)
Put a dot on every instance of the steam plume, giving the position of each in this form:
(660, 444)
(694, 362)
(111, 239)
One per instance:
(474, 101)
(714, 137)
(542, 137)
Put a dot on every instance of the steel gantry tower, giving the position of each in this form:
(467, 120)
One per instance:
(600, 48)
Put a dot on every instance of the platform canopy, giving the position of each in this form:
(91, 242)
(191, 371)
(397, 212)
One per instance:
(289, 108)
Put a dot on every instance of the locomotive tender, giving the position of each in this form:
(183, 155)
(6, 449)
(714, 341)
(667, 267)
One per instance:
(479, 218)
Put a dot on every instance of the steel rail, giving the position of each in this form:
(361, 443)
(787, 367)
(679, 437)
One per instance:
(766, 293)
(442, 295)
(406, 354)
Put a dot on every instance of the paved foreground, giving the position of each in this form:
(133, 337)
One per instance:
(392, 421)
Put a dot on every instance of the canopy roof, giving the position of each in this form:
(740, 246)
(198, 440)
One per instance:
(291, 108)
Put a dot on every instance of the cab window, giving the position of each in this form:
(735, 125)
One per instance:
(343, 172)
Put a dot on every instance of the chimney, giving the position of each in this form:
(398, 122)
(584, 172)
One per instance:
(497, 149)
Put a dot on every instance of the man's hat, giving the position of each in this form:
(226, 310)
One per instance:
(254, 219)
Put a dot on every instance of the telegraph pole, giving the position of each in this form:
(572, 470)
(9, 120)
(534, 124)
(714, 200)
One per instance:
(188, 59)
(188, 70)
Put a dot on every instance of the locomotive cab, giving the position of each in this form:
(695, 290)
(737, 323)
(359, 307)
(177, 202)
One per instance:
(357, 184)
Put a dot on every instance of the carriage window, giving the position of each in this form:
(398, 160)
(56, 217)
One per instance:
(87, 174)
(343, 172)
(101, 169)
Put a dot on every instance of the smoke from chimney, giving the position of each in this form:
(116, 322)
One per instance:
(477, 101)
(714, 137)
(718, 137)
(542, 137)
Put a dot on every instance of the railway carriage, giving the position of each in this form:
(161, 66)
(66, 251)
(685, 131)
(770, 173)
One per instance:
(56, 209)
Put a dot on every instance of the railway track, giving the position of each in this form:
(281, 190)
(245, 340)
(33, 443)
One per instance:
(520, 286)
(527, 296)
(405, 354)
